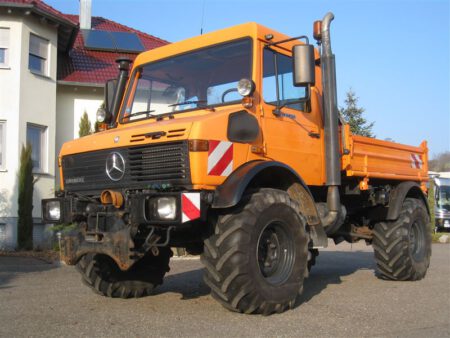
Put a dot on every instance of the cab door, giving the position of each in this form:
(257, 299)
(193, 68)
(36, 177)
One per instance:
(292, 133)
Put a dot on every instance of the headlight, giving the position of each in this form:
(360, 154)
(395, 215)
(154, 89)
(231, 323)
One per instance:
(101, 115)
(54, 210)
(166, 208)
(245, 87)
(162, 208)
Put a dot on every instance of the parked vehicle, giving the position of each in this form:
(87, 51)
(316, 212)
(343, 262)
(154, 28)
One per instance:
(442, 201)
(229, 145)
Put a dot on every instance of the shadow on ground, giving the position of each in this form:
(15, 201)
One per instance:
(331, 266)
(11, 267)
(188, 284)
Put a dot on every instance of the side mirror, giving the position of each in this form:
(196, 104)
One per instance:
(110, 89)
(303, 65)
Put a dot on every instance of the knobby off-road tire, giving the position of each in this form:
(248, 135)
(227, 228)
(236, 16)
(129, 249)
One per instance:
(103, 276)
(403, 248)
(256, 260)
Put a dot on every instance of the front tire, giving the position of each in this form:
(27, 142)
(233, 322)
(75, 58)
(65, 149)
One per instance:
(403, 248)
(103, 276)
(257, 258)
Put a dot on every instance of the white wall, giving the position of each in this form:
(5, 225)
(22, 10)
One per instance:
(26, 98)
(71, 103)
(9, 112)
(81, 105)
(38, 105)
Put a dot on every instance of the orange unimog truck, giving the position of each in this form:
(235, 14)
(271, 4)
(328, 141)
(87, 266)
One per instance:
(230, 145)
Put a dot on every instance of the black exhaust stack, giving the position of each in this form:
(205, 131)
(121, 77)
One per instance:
(331, 221)
(124, 67)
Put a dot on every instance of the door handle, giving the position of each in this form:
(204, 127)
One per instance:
(313, 134)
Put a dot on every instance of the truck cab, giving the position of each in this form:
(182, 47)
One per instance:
(187, 91)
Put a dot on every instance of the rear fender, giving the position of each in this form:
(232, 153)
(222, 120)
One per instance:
(402, 191)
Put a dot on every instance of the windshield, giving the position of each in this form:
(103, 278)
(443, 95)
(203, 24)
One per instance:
(199, 79)
(443, 197)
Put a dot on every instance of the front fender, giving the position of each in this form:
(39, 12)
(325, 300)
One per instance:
(271, 174)
(230, 192)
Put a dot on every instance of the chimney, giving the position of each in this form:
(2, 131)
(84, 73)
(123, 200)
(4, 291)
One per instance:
(85, 14)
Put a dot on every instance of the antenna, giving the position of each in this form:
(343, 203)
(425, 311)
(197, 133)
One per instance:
(203, 15)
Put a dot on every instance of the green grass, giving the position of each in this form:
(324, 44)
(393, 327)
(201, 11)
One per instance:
(435, 237)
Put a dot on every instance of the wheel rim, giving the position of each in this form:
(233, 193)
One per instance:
(416, 241)
(275, 253)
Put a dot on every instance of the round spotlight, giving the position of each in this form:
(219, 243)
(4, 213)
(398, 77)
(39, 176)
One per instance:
(101, 115)
(245, 87)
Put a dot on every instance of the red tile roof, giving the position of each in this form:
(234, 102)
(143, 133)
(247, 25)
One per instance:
(76, 63)
(67, 28)
(40, 6)
(96, 67)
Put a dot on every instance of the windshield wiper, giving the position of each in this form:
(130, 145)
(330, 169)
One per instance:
(199, 103)
(158, 117)
(186, 102)
(148, 112)
(170, 114)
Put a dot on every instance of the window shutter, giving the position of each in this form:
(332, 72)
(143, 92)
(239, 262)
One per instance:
(4, 37)
(38, 46)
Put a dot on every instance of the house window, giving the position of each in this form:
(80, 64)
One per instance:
(4, 47)
(37, 61)
(37, 137)
(2, 145)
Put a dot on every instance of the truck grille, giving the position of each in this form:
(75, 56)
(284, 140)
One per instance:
(146, 166)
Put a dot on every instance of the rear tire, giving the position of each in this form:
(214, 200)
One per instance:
(103, 276)
(257, 258)
(403, 248)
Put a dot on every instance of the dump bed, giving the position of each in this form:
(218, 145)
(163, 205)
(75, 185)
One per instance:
(372, 158)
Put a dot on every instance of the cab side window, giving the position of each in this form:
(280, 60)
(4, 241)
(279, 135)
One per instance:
(287, 92)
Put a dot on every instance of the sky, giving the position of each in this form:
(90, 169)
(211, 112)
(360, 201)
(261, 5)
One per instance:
(393, 54)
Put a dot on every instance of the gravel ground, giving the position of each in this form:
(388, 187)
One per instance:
(342, 297)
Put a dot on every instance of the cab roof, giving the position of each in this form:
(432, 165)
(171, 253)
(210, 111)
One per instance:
(251, 29)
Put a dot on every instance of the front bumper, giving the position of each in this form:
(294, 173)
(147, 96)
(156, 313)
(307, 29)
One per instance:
(442, 223)
(126, 233)
(139, 208)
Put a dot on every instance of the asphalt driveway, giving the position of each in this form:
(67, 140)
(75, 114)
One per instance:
(342, 297)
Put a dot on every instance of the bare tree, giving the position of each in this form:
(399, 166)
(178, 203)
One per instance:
(440, 162)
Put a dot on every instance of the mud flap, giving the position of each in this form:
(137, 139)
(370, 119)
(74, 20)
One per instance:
(318, 237)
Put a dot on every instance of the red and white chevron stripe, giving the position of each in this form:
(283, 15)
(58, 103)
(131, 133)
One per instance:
(190, 206)
(416, 161)
(220, 158)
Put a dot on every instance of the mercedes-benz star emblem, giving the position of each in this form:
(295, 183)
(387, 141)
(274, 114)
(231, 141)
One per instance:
(115, 166)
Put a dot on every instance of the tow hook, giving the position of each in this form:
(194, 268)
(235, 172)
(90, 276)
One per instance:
(152, 242)
(112, 197)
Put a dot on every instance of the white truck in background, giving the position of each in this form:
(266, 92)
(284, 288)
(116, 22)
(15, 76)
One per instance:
(442, 200)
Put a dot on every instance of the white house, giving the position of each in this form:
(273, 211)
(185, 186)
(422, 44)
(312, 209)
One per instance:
(52, 70)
